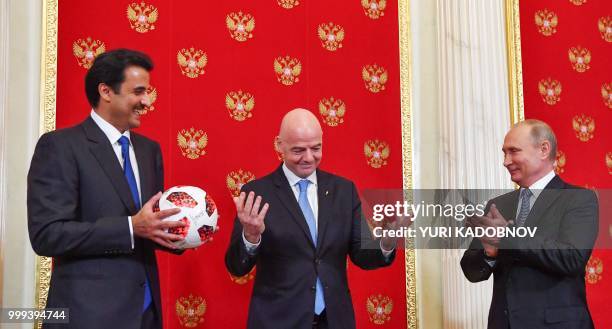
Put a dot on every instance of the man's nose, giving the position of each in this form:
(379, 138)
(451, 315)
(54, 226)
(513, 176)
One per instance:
(507, 160)
(146, 100)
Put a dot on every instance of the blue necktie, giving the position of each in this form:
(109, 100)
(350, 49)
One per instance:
(525, 207)
(310, 220)
(131, 179)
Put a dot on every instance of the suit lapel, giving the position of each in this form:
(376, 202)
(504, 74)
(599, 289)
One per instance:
(325, 206)
(548, 195)
(102, 150)
(509, 206)
(285, 195)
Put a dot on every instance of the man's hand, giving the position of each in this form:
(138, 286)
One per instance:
(149, 225)
(492, 219)
(387, 242)
(250, 216)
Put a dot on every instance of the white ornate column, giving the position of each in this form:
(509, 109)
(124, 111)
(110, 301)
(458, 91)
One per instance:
(474, 117)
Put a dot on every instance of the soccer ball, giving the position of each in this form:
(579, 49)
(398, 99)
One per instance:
(198, 212)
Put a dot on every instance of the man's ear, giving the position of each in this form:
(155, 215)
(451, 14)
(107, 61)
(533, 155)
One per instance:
(105, 92)
(277, 148)
(545, 149)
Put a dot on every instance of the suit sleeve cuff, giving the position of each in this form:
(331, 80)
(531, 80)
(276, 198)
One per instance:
(386, 253)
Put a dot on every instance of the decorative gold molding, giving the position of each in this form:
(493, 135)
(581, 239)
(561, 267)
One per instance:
(515, 61)
(48, 83)
(405, 49)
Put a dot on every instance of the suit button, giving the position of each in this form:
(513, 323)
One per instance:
(313, 288)
(506, 312)
(317, 261)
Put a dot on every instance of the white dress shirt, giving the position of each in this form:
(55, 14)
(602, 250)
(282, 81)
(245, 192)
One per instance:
(113, 136)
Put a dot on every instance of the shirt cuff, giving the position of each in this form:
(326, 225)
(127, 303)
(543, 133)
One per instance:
(386, 253)
(251, 248)
(489, 260)
(131, 231)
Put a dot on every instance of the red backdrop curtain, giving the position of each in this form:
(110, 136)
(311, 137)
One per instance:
(225, 74)
(567, 61)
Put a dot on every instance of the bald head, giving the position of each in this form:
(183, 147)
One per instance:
(297, 122)
(300, 142)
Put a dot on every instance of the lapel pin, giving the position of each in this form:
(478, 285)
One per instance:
(326, 192)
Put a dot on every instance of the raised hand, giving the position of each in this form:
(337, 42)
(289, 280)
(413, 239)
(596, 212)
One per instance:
(250, 215)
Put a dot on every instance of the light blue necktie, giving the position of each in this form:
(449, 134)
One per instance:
(131, 179)
(525, 207)
(310, 220)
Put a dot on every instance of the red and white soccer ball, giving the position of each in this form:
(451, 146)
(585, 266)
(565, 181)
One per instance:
(198, 212)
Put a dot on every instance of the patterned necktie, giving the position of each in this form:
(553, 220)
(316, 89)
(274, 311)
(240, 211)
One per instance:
(128, 172)
(310, 220)
(525, 207)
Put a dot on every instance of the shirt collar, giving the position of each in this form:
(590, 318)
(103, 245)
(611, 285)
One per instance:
(109, 130)
(294, 179)
(537, 187)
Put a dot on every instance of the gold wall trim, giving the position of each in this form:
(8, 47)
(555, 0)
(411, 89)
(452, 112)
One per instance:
(405, 49)
(48, 83)
(515, 61)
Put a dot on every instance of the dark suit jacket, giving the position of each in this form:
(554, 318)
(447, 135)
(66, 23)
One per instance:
(539, 281)
(78, 203)
(288, 262)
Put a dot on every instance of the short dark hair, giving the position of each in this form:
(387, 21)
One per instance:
(109, 68)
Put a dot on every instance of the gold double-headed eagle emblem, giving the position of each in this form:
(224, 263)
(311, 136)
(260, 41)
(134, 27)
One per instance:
(374, 77)
(605, 28)
(376, 153)
(239, 104)
(240, 25)
(86, 50)
(580, 58)
(609, 165)
(374, 9)
(546, 21)
(191, 61)
(190, 310)
(142, 16)
(379, 308)
(287, 69)
(192, 142)
(550, 90)
(332, 111)
(331, 36)
(584, 126)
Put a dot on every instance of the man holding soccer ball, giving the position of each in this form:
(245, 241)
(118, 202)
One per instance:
(298, 225)
(88, 187)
